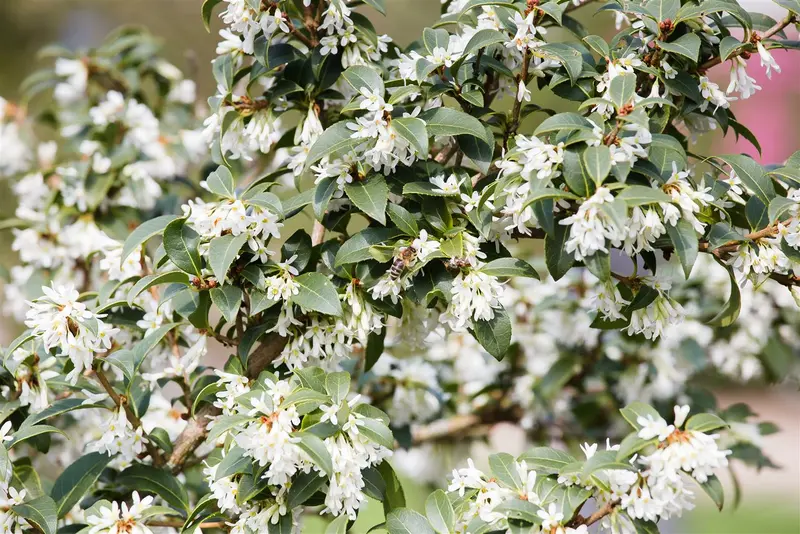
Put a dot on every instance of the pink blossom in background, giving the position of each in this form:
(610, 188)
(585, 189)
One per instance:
(772, 113)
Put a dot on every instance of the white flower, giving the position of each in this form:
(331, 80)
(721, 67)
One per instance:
(713, 95)
(329, 413)
(767, 60)
(5, 432)
(389, 287)
(425, 245)
(474, 297)
(591, 226)
(654, 427)
(523, 93)
(681, 412)
(61, 321)
(551, 518)
(449, 186)
(120, 518)
(740, 80)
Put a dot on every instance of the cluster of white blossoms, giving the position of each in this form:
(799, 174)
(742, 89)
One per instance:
(617, 67)
(271, 437)
(16, 155)
(660, 491)
(652, 489)
(31, 376)
(326, 341)
(533, 157)
(474, 297)
(213, 219)
(97, 171)
(390, 149)
(740, 81)
(257, 125)
(657, 316)
(524, 40)
(61, 321)
(118, 437)
(10, 522)
(118, 517)
(593, 226)
(342, 34)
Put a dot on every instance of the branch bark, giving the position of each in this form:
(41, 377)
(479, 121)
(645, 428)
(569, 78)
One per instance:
(196, 429)
(777, 28)
(122, 401)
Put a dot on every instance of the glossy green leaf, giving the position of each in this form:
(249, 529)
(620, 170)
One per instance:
(73, 483)
(143, 232)
(370, 196)
(228, 299)
(686, 243)
(317, 293)
(494, 335)
(180, 244)
(152, 479)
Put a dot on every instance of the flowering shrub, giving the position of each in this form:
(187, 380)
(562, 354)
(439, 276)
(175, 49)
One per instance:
(412, 310)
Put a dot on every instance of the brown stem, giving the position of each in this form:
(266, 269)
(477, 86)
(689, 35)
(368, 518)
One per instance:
(317, 234)
(523, 78)
(444, 428)
(195, 432)
(595, 517)
(121, 400)
(446, 153)
(297, 33)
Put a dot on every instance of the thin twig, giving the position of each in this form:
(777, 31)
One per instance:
(122, 401)
(777, 28)
(515, 112)
(317, 234)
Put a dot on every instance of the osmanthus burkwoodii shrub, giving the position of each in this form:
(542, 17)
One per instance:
(396, 249)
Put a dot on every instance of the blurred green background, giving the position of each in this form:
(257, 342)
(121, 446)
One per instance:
(771, 501)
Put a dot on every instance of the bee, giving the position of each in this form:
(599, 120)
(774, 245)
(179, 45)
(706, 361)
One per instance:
(405, 257)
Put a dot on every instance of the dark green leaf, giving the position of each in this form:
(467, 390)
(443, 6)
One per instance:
(143, 232)
(370, 196)
(405, 521)
(73, 483)
(494, 335)
(509, 267)
(686, 243)
(151, 479)
(317, 293)
(40, 512)
(687, 45)
(180, 244)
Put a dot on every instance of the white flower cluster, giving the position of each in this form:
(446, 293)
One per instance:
(271, 441)
(390, 148)
(660, 490)
(114, 517)
(486, 503)
(10, 522)
(592, 226)
(256, 131)
(664, 311)
(31, 376)
(213, 219)
(533, 157)
(16, 155)
(474, 297)
(118, 437)
(62, 322)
